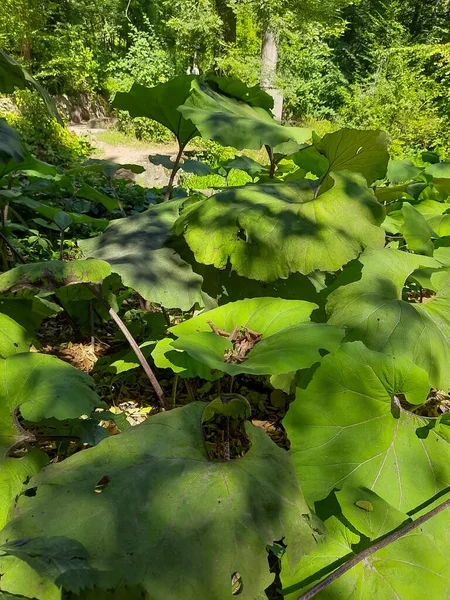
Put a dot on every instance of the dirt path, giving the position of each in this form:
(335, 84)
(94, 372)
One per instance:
(154, 175)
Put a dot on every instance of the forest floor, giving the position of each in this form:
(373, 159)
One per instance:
(118, 148)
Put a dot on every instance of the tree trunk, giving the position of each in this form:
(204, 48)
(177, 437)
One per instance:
(269, 60)
(228, 16)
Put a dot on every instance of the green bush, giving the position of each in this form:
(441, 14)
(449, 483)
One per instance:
(142, 128)
(401, 99)
(42, 135)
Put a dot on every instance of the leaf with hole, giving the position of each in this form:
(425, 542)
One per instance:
(160, 471)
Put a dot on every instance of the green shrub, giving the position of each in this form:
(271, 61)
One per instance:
(142, 128)
(42, 135)
(401, 99)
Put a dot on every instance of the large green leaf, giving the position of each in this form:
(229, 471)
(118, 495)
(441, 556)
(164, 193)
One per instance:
(288, 350)
(13, 337)
(363, 152)
(373, 311)
(43, 387)
(263, 315)
(342, 430)
(135, 248)
(172, 521)
(288, 342)
(416, 231)
(231, 122)
(10, 144)
(14, 472)
(14, 76)
(403, 570)
(160, 103)
(53, 274)
(269, 231)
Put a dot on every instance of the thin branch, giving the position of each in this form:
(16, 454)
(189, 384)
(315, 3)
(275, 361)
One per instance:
(134, 345)
(168, 193)
(393, 537)
(12, 248)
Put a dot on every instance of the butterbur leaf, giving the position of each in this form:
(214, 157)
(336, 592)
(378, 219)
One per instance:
(195, 167)
(160, 103)
(372, 310)
(166, 356)
(229, 121)
(416, 231)
(342, 430)
(135, 248)
(42, 386)
(59, 559)
(367, 512)
(269, 231)
(182, 545)
(399, 171)
(263, 315)
(256, 336)
(363, 152)
(14, 472)
(13, 337)
(53, 274)
(334, 545)
(91, 193)
(404, 569)
(49, 212)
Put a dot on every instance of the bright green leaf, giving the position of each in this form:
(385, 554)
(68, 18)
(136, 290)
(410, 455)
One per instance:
(372, 310)
(342, 430)
(13, 337)
(42, 386)
(363, 152)
(367, 512)
(269, 231)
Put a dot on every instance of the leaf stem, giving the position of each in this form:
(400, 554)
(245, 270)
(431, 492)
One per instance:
(393, 537)
(169, 189)
(134, 345)
(273, 164)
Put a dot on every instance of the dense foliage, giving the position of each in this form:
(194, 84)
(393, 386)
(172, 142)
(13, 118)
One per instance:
(370, 64)
(294, 336)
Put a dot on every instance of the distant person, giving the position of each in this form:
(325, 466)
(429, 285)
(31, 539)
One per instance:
(195, 69)
(188, 72)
